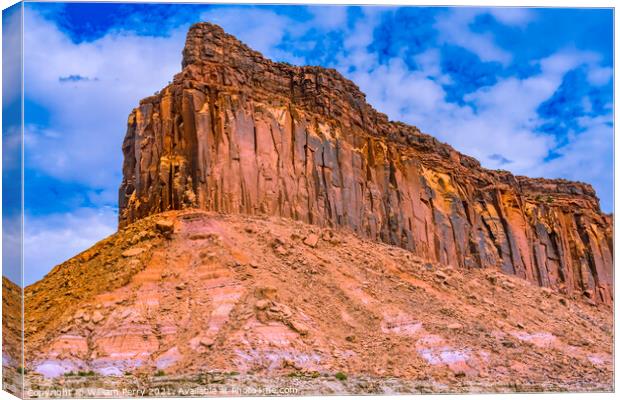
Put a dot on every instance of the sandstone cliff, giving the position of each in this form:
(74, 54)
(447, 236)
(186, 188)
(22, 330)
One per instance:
(237, 133)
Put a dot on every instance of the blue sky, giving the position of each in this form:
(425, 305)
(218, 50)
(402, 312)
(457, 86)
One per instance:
(11, 141)
(526, 90)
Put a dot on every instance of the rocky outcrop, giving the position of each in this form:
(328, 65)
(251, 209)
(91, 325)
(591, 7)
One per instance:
(237, 133)
(12, 350)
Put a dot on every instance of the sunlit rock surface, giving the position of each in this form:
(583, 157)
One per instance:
(237, 133)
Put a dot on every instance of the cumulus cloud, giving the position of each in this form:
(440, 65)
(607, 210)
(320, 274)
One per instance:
(505, 112)
(429, 64)
(512, 16)
(262, 29)
(328, 17)
(599, 76)
(12, 247)
(498, 124)
(88, 89)
(11, 48)
(587, 156)
(453, 28)
(51, 239)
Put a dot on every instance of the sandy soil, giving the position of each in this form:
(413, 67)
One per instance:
(179, 298)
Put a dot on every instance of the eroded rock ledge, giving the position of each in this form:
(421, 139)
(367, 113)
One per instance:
(237, 133)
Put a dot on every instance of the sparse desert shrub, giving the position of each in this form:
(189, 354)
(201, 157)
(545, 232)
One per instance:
(341, 376)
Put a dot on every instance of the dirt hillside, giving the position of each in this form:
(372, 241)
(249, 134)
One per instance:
(182, 294)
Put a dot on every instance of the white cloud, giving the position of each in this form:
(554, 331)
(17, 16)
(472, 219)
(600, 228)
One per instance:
(399, 92)
(52, 239)
(12, 148)
(89, 116)
(11, 246)
(563, 61)
(599, 76)
(329, 17)
(587, 157)
(261, 29)
(566, 60)
(498, 123)
(512, 16)
(505, 112)
(453, 28)
(82, 142)
(429, 64)
(11, 47)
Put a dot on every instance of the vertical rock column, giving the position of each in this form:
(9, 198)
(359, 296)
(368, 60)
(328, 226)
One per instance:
(237, 133)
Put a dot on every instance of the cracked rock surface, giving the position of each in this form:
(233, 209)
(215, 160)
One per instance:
(237, 133)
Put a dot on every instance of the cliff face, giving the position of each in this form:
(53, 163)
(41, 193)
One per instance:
(237, 133)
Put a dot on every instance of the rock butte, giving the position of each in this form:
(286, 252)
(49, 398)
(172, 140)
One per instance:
(276, 231)
(237, 133)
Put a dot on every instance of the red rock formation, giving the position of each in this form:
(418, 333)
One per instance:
(238, 133)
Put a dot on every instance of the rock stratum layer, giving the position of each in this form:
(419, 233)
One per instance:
(237, 133)
(192, 298)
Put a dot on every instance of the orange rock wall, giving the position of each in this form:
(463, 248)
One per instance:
(237, 133)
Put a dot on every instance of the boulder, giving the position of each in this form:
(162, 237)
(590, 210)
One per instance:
(135, 251)
(312, 240)
(165, 227)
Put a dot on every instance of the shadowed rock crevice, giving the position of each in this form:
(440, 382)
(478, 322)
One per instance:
(237, 133)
